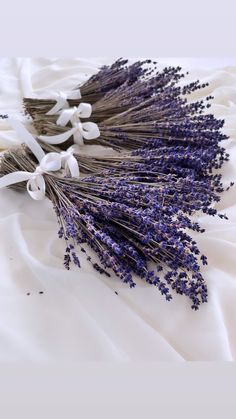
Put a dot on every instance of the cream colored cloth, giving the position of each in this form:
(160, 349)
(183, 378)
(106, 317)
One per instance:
(79, 316)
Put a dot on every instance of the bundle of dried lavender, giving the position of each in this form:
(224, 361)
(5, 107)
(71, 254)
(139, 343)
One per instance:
(108, 78)
(186, 147)
(165, 121)
(131, 92)
(132, 227)
(176, 179)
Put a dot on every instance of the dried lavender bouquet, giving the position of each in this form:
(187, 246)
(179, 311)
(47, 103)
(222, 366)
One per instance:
(184, 183)
(107, 79)
(181, 171)
(142, 236)
(131, 92)
(197, 157)
(166, 121)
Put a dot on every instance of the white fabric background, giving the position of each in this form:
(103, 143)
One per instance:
(79, 317)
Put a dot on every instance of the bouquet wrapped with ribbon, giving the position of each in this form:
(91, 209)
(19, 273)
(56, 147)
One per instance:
(109, 78)
(130, 212)
(131, 91)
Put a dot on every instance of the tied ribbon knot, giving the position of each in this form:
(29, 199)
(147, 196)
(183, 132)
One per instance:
(69, 162)
(79, 131)
(51, 162)
(84, 110)
(62, 100)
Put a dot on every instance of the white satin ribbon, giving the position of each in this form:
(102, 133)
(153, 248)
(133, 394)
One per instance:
(62, 100)
(51, 162)
(80, 130)
(84, 110)
(69, 162)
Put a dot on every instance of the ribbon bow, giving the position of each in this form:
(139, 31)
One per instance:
(84, 110)
(79, 130)
(69, 162)
(62, 100)
(51, 162)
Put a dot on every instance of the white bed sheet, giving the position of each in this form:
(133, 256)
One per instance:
(79, 317)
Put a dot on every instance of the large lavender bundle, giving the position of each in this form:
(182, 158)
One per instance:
(107, 79)
(132, 228)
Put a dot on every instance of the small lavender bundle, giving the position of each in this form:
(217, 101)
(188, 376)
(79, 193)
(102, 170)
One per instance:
(140, 236)
(164, 121)
(189, 171)
(195, 156)
(180, 182)
(107, 79)
(132, 91)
